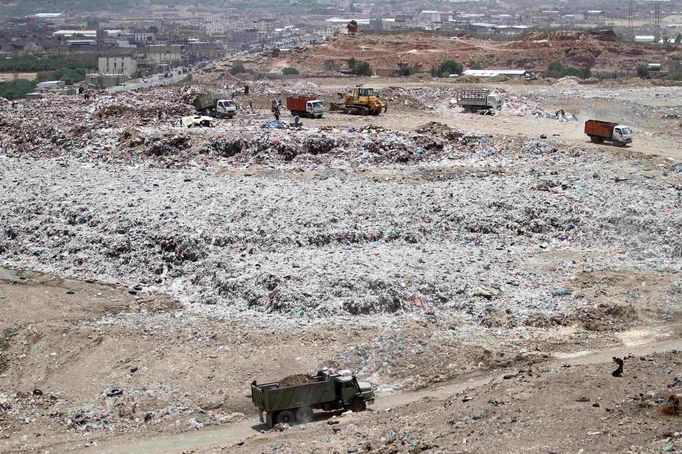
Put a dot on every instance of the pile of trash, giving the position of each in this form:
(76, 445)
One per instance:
(132, 127)
(361, 242)
(278, 143)
(521, 106)
(431, 98)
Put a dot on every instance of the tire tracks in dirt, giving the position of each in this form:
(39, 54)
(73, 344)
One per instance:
(249, 430)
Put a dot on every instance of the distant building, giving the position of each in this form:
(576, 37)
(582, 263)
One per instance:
(50, 18)
(126, 66)
(164, 54)
(495, 72)
(142, 37)
(216, 28)
(50, 85)
(433, 17)
(77, 34)
(81, 42)
(645, 39)
(340, 23)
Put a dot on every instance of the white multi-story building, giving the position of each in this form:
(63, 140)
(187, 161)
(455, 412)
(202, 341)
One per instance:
(118, 65)
(216, 28)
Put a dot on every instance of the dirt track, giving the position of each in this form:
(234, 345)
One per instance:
(246, 433)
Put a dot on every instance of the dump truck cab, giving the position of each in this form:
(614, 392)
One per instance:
(495, 101)
(622, 134)
(315, 108)
(348, 388)
(226, 108)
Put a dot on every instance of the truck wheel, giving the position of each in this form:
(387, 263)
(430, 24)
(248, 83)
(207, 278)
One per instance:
(304, 415)
(358, 404)
(285, 417)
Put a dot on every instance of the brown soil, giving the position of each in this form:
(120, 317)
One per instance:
(532, 51)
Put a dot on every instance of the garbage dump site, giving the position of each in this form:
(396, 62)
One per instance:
(258, 249)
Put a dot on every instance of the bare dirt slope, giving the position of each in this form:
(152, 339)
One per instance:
(463, 416)
(534, 51)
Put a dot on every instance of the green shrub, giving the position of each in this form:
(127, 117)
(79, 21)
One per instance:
(406, 71)
(238, 67)
(290, 71)
(17, 88)
(359, 68)
(557, 70)
(447, 67)
(37, 63)
(643, 71)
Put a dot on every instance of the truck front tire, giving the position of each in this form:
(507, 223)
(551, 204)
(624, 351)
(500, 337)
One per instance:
(304, 415)
(358, 404)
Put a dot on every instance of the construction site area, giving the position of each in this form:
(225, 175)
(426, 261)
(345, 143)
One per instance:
(492, 265)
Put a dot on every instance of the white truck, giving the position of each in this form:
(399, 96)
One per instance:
(479, 100)
(215, 106)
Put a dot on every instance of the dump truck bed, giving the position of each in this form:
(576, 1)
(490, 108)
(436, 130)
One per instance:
(599, 128)
(473, 98)
(298, 103)
(270, 397)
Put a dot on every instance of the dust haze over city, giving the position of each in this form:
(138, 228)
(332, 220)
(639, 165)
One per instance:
(340, 226)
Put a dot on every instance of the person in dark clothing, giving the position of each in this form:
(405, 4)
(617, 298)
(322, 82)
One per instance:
(246, 90)
(619, 371)
(275, 110)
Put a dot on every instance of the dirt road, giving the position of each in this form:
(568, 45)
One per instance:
(248, 431)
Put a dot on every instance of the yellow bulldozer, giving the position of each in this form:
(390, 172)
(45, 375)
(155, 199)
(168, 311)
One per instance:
(361, 101)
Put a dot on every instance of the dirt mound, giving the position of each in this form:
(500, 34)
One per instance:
(296, 380)
(534, 51)
(606, 317)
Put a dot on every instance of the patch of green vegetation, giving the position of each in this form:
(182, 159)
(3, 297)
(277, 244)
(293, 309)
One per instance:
(37, 63)
(446, 68)
(289, 71)
(359, 67)
(643, 71)
(557, 70)
(237, 67)
(17, 88)
(68, 75)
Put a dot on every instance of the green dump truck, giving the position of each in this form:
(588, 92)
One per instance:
(291, 401)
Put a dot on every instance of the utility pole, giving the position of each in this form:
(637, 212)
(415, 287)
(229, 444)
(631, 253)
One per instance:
(657, 20)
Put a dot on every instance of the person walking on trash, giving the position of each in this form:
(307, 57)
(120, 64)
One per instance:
(275, 109)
